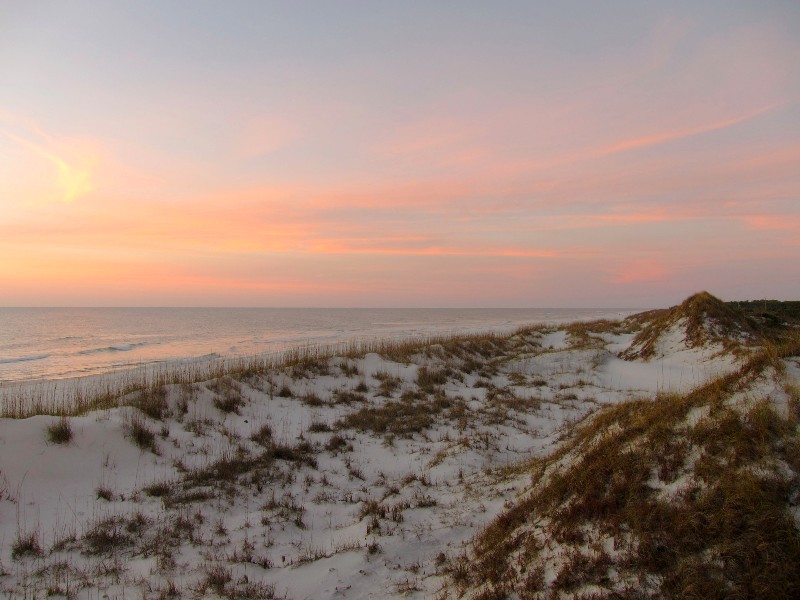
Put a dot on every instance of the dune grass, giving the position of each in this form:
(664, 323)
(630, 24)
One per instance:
(145, 387)
(707, 320)
(644, 502)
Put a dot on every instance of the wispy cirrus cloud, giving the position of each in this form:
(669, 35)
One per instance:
(72, 181)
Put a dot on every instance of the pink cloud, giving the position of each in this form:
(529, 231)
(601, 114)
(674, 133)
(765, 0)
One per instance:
(641, 271)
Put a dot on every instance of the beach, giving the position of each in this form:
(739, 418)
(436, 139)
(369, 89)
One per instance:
(362, 471)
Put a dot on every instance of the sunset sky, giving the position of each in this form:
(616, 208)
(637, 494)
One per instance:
(403, 153)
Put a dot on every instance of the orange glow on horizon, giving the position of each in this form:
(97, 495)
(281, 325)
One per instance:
(515, 157)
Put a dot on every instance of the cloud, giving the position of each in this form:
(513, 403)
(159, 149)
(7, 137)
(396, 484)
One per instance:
(72, 181)
(641, 271)
(663, 137)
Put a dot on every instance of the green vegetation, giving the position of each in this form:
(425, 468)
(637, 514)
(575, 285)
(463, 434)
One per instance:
(772, 315)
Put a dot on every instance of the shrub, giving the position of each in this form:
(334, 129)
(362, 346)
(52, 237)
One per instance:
(312, 399)
(217, 577)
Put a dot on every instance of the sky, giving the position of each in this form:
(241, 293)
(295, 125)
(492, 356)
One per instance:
(408, 154)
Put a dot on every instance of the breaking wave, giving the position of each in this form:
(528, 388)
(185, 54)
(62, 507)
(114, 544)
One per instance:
(5, 361)
(116, 348)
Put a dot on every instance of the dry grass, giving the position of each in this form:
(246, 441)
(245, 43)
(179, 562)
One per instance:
(726, 532)
(413, 413)
(148, 388)
(26, 545)
(153, 402)
(708, 320)
(60, 432)
(139, 433)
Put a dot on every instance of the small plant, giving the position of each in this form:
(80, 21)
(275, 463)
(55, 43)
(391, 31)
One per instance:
(158, 489)
(312, 399)
(389, 383)
(107, 536)
(153, 402)
(26, 544)
(429, 379)
(338, 444)
(4, 493)
(263, 435)
(104, 493)
(140, 434)
(348, 397)
(60, 432)
(230, 401)
(349, 369)
(217, 577)
(318, 427)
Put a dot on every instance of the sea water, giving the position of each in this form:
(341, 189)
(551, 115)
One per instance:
(58, 343)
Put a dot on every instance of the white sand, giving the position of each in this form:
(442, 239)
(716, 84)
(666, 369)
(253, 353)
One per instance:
(444, 480)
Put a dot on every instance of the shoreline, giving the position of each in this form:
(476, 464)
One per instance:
(55, 395)
(69, 346)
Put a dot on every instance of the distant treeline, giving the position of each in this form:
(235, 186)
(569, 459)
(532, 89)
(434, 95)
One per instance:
(770, 311)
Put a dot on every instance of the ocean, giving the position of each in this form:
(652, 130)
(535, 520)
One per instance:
(59, 343)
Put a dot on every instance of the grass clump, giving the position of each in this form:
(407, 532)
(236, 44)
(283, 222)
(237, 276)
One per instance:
(348, 397)
(401, 418)
(107, 537)
(139, 433)
(158, 489)
(388, 383)
(60, 432)
(319, 427)
(263, 435)
(26, 544)
(153, 402)
(337, 443)
(413, 413)
(428, 379)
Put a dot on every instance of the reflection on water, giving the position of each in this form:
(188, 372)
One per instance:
(54, 343)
